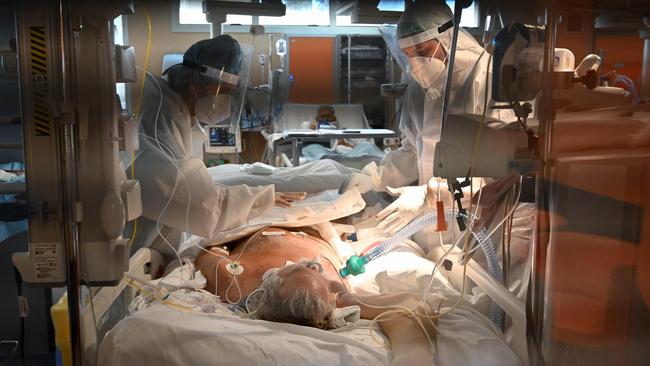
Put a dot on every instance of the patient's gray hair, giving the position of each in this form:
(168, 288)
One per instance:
(302, 307)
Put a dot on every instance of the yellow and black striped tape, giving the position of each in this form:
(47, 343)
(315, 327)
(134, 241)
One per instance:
(38, 56)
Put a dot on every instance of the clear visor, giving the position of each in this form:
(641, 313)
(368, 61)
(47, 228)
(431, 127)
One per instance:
(229, 90)
(238, 95)
(388, 32)
(416, 39)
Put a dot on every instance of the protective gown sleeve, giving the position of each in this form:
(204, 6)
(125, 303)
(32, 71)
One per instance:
(242, 203)
(177, 190)
(400, 167)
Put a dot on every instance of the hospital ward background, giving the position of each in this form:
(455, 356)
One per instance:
(325, 182)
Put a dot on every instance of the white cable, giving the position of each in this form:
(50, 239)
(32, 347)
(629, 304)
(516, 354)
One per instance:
(179, 173)
(169, 154)
(436, 266)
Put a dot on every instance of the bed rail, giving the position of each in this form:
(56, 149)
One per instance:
(514, 307)
(145, 263)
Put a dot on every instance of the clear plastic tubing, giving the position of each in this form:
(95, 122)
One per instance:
(405, 233)
(355, 265)
(497, 315)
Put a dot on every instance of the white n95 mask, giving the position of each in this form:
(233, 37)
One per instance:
(212, 109)
(429, 73)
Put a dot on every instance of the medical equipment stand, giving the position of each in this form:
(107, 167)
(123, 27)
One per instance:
(78, 195)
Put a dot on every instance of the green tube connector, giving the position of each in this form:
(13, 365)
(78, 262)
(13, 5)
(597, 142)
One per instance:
(354, 266)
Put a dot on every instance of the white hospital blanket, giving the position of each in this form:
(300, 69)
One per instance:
(313, 177)
(164, 335)
(313, 210)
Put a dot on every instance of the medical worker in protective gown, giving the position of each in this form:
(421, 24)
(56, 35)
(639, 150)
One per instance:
(424, 34)
(177, 190)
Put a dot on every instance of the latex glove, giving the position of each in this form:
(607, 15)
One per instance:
(284, 199)
(411, 201)
(341, 316)
(361, 181)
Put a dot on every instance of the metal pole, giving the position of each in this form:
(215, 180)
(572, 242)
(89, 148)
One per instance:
(645, 72)
(543, 181)
(458, 12)
(349, 69)
(295, 151)
(68, 181)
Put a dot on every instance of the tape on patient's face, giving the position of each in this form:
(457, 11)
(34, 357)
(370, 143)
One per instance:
(269, 272)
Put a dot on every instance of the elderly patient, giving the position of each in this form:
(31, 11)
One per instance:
(291, 276)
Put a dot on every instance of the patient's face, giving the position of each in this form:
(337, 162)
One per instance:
(326, 114)
(300, 275)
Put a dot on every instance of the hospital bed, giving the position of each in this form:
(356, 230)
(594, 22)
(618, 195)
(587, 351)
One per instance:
(162, 334)
(217, 335)
(289, 134)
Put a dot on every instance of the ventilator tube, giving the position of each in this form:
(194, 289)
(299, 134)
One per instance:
(356, 264)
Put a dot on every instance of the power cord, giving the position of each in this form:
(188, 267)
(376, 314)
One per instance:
(13, 351)
(23, 311)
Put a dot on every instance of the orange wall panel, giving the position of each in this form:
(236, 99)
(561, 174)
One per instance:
(311, 62)
(623, 53)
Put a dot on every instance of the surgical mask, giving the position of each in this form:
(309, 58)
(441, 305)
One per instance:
(212, 109)
(429, 73)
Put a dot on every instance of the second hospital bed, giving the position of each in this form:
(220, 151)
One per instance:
(291, 137)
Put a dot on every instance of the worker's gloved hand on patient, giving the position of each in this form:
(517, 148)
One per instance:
(362, 181)
(409, 204)
(284, 199)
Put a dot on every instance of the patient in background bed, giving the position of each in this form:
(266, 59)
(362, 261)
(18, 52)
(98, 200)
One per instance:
(325, 116)
(306, 291)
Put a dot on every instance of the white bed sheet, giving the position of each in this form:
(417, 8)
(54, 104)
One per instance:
(164, 335)
(161, 335)
(312, 177)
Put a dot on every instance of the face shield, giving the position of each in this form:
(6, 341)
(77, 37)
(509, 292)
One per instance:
(388, 32)
(223, 98)
(426, 35)
(417, 57)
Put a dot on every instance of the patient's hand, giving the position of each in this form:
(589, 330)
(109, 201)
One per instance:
(284, 199)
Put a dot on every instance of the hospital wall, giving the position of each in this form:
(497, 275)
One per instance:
(163, 40)
(621, 49)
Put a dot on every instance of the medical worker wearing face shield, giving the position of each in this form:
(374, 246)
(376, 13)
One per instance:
(177, 190)
(424, 34)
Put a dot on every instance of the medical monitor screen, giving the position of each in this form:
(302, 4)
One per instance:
(219, 136)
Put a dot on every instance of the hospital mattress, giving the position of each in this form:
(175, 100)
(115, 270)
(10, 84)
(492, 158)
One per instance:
(161, 334)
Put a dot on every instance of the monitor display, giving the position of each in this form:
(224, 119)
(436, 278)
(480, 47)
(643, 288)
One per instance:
(219, 136)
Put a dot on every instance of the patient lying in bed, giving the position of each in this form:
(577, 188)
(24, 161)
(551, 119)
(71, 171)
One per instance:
(307, 291)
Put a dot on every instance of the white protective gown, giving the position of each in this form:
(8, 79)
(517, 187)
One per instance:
(420, 124)
(420, 119)
(177, 190)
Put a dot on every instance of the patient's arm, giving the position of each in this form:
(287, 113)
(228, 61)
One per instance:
(408, 342)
